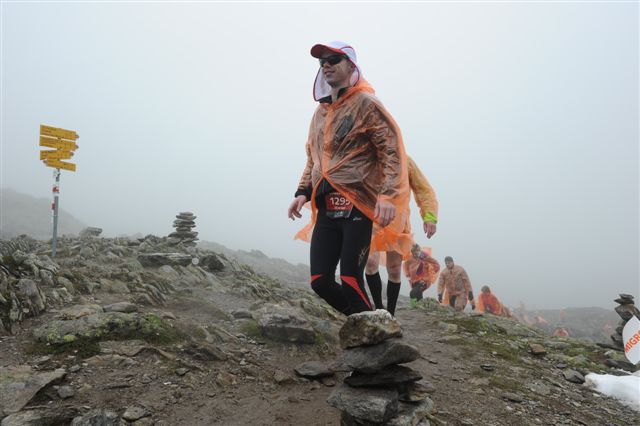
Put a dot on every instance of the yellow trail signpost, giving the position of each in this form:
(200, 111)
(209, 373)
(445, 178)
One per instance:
(56, 155)
(63, 142)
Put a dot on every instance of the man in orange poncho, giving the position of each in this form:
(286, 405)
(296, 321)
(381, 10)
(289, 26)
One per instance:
(425, 198)
(355, 174)
(454, 286)
(421, 270)
(489, 303)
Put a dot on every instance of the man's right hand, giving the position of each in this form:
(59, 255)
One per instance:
(440, 297)
(296, 206)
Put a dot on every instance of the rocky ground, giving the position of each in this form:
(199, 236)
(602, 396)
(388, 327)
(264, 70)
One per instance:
(136, 331)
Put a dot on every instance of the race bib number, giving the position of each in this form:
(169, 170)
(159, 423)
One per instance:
(338, 207)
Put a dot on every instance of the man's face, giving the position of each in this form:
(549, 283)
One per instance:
(449, 264)
(337, 75)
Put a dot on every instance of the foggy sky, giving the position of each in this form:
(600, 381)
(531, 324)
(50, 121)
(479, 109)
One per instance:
(524, 117)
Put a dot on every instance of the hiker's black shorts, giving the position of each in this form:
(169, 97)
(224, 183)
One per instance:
(344, 240)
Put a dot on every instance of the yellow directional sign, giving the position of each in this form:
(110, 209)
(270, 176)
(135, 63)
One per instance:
(58, 133)
(57, 164)
(56, 155)
(58, 143)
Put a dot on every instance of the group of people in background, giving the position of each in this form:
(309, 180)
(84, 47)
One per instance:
(358, 180)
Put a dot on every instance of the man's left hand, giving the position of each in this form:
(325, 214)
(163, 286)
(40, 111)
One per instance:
(429, 228)
(385, 212)
(473, 306)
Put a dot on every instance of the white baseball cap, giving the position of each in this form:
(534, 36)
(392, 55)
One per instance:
(321, 88)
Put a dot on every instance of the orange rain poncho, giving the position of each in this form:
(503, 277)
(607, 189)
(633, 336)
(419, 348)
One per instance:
(425, 199)
(422, 270)
(423, 193)
(488, 302)
(356, 145)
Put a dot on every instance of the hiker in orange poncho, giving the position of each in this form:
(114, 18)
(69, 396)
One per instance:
(454, 286)
(426, 200)
(489, 303)
(355, 175)
(421, 270)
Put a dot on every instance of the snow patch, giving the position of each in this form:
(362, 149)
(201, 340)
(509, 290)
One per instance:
(624, 388)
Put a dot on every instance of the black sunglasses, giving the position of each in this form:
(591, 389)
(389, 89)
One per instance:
(332, 60)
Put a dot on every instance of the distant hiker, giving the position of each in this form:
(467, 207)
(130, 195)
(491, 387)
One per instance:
(426, 200)
(421, 270)
(489, 303)
(356, 173)
(454, 286)
(560, 332)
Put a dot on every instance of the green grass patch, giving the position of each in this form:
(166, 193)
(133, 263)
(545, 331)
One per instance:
(250, 328)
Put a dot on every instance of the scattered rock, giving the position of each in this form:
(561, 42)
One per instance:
(182, 371)
(369, 328)
(135, 413)
(282, 377)
(573, 376)
(99, 417)
(66, 392)
(487, 367)
(313, 370)
(512, 397)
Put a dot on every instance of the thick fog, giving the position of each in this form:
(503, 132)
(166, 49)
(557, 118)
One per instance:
(524, 117)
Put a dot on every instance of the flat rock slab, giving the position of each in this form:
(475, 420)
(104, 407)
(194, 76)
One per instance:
(313, 370)
(79, 311)
(369, 328)
(370, 359)
(627, 312)
(40, 417)
(159, 259)
(99, 417)
(18, 384)
(389, 376)
(537, 349)
(373, 405)
(126, 307)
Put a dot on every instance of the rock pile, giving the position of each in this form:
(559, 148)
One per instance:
(184, 223)
(379, 391)
(626, 309)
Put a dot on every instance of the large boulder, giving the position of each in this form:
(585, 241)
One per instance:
(285, 325)
(370, 359)
(369, 328)
(105, 326)
(41, 417)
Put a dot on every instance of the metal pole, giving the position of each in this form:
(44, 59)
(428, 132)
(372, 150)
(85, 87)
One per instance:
(54, 207)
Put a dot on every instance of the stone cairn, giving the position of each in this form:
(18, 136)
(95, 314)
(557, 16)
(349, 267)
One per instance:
(626, 309)
(379, 391)
(184, 223)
